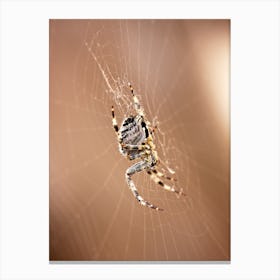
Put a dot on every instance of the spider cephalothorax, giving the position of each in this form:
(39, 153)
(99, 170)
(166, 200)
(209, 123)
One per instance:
(135, 138)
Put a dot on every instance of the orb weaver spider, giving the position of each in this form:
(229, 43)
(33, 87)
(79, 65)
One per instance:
(135, 138)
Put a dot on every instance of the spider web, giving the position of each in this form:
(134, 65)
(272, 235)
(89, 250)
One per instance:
(183, 88)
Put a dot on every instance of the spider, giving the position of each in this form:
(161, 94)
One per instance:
(135, 138)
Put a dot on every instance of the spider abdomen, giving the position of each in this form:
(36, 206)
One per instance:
(131, 131)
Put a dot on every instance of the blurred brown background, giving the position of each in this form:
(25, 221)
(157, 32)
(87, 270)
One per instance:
(180, 71)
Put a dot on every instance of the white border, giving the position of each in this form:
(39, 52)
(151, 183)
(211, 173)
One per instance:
(255, 138)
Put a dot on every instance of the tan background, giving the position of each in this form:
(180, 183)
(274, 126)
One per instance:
(180, 71)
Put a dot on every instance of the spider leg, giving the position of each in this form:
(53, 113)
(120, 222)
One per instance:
(166, 187)
(137, 167)
(137, 105)
(114, 121)
(136, 155)
(159, 174)
(166, 167)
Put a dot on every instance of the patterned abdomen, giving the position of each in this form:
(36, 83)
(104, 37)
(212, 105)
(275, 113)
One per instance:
(131, 131)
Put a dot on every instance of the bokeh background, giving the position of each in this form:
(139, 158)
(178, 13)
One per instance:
(180, 71)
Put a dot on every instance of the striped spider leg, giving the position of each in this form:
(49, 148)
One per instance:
(138, 167)
(154, 175)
